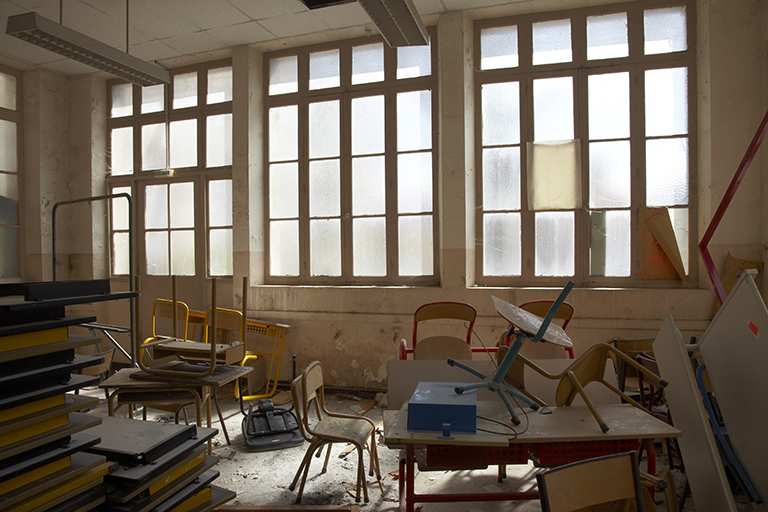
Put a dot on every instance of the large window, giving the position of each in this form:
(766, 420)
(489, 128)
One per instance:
(586, 129)
(10, 118)
(351, 173)
(171, 151)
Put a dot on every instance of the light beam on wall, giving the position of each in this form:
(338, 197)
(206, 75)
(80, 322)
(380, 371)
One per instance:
(40, 31)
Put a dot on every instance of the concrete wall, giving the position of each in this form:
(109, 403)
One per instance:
(354, 331)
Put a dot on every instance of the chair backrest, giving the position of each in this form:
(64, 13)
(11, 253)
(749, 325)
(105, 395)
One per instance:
(592, 482)
(162, 309)
(299, 406)
(541, 307)
(227, 321)
(442, 346)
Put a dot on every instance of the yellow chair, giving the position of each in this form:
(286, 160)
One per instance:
(592, 482)
(163, 326)
(440, 346)
(332, 428)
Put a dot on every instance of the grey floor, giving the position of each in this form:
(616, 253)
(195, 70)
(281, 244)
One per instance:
(263, 478)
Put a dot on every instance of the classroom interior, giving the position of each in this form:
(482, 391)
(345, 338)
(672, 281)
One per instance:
(64, 122)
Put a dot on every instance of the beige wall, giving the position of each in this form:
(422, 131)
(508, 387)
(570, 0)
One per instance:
(354, 331)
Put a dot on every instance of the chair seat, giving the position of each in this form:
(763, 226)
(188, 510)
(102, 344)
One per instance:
(344, 429)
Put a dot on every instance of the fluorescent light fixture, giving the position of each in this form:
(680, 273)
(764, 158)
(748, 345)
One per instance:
(35, 29)
(398, 21)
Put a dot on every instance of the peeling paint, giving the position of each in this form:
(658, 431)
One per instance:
(380, 377)
(340, 346)
(355, 364)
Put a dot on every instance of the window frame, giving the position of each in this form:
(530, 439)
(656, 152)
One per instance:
(17, 117)
(390, 87)
(581, 68)
(199, 175)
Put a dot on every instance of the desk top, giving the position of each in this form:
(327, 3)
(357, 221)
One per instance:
(530, 323)
(134, 378)
(574, 423)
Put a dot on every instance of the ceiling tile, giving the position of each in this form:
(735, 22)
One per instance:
(429, 6)
(262, 9)
(207, 14)
(194, 43)
(244, 33)
(345, 15)
(295, 24)
(153, 19)
(153, 50)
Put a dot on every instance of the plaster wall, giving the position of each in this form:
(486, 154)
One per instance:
(354, 331)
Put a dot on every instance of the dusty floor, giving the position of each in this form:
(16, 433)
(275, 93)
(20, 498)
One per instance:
(263, 478)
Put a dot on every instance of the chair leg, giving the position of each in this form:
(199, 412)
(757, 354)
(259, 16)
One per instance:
(327, 456)
(580, 390)
(221, 417)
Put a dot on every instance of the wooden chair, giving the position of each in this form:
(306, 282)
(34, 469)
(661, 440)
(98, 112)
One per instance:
(332, 428)
(297, 391)
(589, 367)
(441, 346)
(592, 482)
(540, 308)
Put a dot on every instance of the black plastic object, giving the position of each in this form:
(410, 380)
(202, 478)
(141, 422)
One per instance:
(269, 428)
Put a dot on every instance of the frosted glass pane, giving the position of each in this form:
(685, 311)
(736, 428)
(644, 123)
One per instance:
(219, 144)
(414, 183)
(368, 63)
(610, 243)
(8, 146)
(120, 215)
(325, 247)
(122, 100)
(679, 218)
(121, 264)
(9, 253)
(121, 157)
(501, 244)
(501, 113)
(553, 109)
(414, 120)
(153, 98)
(666, 102)
(666, 172)
(284, 248)
(555, 247)
(609, 106)
(369, 247)
(552, 42)
(368, 125)
(184, 143)
(9, 199)
(498, 48)
(283, 133)
(283, 190)
(157, 253)
(182, 205)
(324, 126)
(183, 253)
(665, 30)
(220, 203)
(413, 61)
(501, 179)
(368, 186)
(324, 188)
(153, 147)
(219, 85)
(156, 207)
(610, 174)
(185, 90)
(415, 246)
(221, 252)
(607, 36)
(324, 69)
(283, 75)
(7, 91)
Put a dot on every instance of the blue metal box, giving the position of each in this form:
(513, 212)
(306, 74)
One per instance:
(436, 403)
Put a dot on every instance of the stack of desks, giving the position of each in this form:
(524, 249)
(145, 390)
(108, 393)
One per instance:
(161, 467)
(43, 465)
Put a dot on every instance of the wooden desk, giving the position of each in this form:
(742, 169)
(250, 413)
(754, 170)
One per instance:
(131, 385)
(566, 435)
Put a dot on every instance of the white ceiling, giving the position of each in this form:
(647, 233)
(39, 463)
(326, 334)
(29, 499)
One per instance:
(166, 30)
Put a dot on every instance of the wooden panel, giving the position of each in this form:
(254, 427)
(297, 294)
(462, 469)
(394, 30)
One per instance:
(706, 475)
(735, 349)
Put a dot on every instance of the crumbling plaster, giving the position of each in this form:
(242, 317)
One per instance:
(354, 331)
